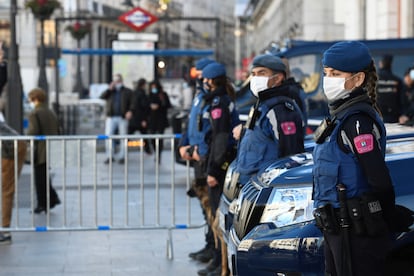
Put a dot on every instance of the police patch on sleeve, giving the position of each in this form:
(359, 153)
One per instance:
(288, 128)
(216, 113)
(364, 143)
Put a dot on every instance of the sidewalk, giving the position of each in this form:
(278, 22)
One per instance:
(90, 253)
(94, 252)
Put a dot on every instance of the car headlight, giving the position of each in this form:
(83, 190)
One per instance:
(288, 206)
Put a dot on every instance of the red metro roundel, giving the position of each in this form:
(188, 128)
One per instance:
(137, 18)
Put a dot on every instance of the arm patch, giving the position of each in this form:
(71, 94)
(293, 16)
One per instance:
(216, 113)
(364, 143)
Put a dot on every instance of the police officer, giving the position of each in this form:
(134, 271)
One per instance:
(349, 166)
(193, 143)
(221, 114)
(390, 91)
(275, 125)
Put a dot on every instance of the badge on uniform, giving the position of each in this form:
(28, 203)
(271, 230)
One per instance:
(288, 128)
(216, 101)
(216, 113)
(364, 143)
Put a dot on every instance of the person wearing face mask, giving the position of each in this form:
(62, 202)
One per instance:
(349, 172)
(222, 117)
(42, 121)
(275, 127)
(193, 143)
(119, 107)
(158, 120)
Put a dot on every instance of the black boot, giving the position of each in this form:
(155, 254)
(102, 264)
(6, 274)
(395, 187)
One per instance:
(212, 266)
(193, 255)
(205, 256)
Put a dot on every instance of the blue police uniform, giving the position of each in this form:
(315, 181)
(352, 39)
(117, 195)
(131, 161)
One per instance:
(335, 166)
(198, 126)
(274, 135)
(349, 166)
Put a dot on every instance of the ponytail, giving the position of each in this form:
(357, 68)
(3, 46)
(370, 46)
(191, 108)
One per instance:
(370, 84)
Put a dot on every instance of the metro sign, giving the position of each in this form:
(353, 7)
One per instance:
(137, 18)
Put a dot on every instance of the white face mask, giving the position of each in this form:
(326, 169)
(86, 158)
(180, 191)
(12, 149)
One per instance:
(334, 88)
(258, 84)
(118, 86)
(32, 105)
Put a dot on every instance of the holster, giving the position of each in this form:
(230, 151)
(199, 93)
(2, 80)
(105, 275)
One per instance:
(326, 219)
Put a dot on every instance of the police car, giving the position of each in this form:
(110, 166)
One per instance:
(230, 200)
(273, 231)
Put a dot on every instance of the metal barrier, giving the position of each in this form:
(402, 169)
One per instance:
(143, 193)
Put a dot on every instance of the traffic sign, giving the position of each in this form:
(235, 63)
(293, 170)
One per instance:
(137, 18)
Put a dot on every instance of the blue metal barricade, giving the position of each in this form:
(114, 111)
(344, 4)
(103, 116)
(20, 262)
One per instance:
(145, 192)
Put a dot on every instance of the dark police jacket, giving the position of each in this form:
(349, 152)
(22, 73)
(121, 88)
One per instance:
(389, 95)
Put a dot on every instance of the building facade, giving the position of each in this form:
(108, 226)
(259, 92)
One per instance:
(272, 23)
(235, 38)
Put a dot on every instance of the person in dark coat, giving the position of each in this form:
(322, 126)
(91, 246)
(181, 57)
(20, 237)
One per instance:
(119, 108)
(42, 121)
(158, 119)
(390, 91)
(140, 111)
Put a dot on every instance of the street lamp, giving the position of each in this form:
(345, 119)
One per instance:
(14, 111)
(78, 31)
(42, 81)
(42, 10)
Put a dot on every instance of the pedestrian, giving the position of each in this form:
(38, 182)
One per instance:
(158, 119)
(222, 146)
(42, 121)
(8, 173)
(349, 172)
(119, 106)
(407, 117)
(275, 127)
(390, 91)
(140, 113)
(193, 142)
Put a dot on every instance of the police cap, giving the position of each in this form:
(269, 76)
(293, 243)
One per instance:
(214, 70)
(347, 56)
(269, 61)
(201, 63)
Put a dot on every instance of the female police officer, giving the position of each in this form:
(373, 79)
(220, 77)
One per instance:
(223, 117)
(349, 166)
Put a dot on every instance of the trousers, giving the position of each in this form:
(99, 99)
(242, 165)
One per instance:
(40, 172)
(368, 254)
(9, 183)
(111, 125)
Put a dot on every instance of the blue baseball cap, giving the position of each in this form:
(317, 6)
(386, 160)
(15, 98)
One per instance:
(201, 63)
(347, 56)
(214, 70)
